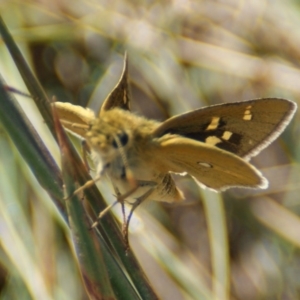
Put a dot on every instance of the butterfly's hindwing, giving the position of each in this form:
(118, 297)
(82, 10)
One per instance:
(212, 167)
(243, 128)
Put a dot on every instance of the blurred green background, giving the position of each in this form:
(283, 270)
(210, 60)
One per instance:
(182, 55)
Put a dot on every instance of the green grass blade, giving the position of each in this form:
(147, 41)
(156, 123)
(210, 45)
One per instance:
(96, 271)
(32, 84)
(30, 146)
(217, 231)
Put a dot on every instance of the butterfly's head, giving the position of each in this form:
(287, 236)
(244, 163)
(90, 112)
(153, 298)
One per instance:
(108, 137)
(118, 137)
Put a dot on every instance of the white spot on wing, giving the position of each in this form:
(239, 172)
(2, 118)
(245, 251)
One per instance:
(247, 114)
(226, 135)
(213, 124)
(247, 117)
(212, 140)
(204, 164)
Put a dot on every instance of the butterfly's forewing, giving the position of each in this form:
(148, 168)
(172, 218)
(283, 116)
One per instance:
(212, 167)
(78, 119)
(243, 128)
(120, 96)
(74, 117)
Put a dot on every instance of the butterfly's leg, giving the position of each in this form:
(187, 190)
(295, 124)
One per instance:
(138, 201)
(120, 198)
(85, 186)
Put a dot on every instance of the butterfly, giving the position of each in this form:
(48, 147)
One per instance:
(212, 144)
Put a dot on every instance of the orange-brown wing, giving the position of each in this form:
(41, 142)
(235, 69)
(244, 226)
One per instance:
(120, 96)
(243, 128)
(213, 167)
(74, 117)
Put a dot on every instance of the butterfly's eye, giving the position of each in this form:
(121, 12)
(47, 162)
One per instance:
(123, 140)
